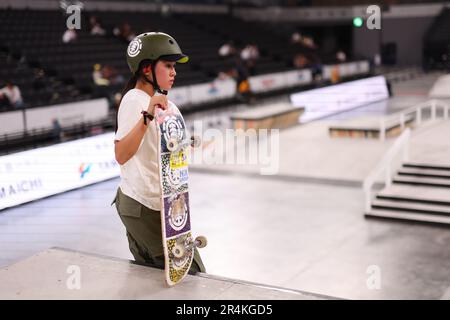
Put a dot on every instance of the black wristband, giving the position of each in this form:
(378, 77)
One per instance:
(147, 116)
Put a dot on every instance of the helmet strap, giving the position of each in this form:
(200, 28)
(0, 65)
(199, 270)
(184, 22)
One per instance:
(154, 83)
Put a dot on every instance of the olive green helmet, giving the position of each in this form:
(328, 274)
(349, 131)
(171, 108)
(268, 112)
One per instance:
(153, 46)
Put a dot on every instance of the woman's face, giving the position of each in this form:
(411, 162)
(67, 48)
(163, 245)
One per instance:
(165, 74)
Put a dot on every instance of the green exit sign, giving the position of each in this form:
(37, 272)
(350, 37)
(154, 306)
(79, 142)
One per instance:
(358, 22)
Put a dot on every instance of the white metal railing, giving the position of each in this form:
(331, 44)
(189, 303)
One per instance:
(417, 112)
(385, 165)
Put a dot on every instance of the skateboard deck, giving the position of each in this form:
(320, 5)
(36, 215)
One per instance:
(178, 242)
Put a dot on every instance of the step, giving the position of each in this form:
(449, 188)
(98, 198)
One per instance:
(408, 216)
(436, 182)
(416, 193)
(419, 165)
(41, 276)
(431, 173)
(397, 205)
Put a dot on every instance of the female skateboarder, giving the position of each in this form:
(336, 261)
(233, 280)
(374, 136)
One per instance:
(151, 57)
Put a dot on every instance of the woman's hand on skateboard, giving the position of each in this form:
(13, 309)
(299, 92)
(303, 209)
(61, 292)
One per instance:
(157, 101)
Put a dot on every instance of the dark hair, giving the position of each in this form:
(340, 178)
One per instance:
(131, 84)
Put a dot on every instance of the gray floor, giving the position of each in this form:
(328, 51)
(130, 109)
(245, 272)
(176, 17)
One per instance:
(309, 237)
(273, 230)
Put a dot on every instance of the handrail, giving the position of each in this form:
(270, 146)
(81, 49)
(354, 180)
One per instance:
(433, 104)
(401, 144)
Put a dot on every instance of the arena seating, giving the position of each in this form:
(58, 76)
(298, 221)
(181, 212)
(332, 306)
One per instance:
(49, 71)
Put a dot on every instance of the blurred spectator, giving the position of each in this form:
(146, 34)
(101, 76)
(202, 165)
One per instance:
(227, 49)
(97, 76)
(309, 42)
(70, 35)
(166, 10)
(306, 41)
(334, 76)
(296, 37)
(377, 60)
(316, 66)
(241, 74)
(249, 55)
(96, 27)
(11, 95)
(341, 56)
(300, 61)
(110, 73)
(106, 75)
(57, 132)
(124, 32)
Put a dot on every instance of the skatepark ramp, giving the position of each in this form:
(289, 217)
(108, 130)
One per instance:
(59, 273)
(393, 124)
(441, 88)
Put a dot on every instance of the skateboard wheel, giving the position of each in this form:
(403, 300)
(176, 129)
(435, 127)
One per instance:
(195, 141)
(178, 251)
(172, 144)
(201, 242)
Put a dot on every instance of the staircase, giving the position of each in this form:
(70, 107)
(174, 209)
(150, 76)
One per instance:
(419, 192)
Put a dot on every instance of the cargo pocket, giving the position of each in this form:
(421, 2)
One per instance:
(128, 207)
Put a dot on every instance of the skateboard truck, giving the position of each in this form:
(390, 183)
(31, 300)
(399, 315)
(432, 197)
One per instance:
(173, 144)
(179, 250)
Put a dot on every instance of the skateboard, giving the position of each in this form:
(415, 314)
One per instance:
(178, 242)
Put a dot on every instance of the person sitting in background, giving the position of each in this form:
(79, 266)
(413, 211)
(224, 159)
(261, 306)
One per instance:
(11, 95)
(296, 37)
(227, 49)
(341, 56)
(300, 61)
(70, 35)
(249, 55)
(96, 28)
(124, 32)
(106, 75)
(97, 76)
(57, 131)
(110, 73)
(309, 42)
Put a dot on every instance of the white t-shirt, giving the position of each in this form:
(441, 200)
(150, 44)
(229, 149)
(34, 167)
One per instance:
(13, 94)
(140, 174)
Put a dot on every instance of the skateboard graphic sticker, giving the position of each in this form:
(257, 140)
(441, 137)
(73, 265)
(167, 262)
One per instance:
(176, 211)
(174, 175)
(172, 128)
(179, 265)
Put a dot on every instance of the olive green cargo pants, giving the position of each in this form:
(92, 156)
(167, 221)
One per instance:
(144, 234)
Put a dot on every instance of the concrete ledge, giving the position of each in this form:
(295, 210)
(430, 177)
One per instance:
(270, 117)
(52, 274)
(370, 127)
